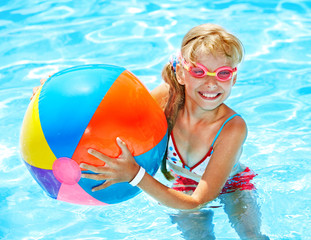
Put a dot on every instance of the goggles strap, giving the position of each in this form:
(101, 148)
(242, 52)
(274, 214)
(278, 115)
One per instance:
(174, 61)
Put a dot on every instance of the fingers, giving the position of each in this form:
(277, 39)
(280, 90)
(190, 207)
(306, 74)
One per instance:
(88, 167)
(43, 80)
(106, 159)
(102, 186)
(99, 177)
(93, 176)
(34, 91)
(99, 155)
(123, 146)
(120, 169)
(100, 169)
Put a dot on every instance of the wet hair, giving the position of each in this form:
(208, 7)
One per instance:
(203, 39)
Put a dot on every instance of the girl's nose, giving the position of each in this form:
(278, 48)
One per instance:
(211, 82)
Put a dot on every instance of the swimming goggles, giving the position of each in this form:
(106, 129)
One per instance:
(199, 71)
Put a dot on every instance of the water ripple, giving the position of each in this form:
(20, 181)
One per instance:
(39, 38)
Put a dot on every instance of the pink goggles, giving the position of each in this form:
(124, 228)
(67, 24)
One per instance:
(199, 71)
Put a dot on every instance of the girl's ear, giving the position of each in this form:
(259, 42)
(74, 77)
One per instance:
(180, 75)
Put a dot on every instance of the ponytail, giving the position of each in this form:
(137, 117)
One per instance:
(175, 103)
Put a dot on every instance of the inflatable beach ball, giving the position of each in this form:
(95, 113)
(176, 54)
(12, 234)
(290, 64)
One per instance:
(89, 107)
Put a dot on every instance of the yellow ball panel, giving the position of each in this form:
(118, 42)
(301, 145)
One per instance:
(34, 148)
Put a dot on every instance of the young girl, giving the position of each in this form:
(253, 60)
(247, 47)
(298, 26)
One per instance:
(206, 136)
(205, 143)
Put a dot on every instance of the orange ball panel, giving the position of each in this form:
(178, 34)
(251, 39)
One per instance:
(140, 124)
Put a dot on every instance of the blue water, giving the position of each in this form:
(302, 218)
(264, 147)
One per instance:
(273, 93)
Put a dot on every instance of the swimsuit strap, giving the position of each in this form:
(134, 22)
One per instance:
(234, 115)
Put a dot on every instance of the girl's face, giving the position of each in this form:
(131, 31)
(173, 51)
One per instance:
(207, 93)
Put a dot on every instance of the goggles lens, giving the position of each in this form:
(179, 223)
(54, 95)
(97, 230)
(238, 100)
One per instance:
(225, 74)
(199, 71)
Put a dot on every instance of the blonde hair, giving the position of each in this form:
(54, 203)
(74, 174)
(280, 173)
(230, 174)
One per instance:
(203, 39)
(211, 39)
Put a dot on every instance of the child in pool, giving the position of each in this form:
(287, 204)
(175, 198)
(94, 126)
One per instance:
(206, 136)
(205, 143)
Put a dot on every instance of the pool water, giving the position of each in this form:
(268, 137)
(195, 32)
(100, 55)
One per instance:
(273, 93)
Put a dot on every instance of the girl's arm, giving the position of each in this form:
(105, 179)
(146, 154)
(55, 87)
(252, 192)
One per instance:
(227, 151)
(124, 169)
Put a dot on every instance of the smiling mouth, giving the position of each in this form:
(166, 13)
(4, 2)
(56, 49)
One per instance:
(209, 96)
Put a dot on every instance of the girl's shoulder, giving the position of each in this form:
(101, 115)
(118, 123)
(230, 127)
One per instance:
(235, 127)
(232, 118)
(161, 94)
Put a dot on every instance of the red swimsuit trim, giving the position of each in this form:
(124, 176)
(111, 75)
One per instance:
(240, 181)
(182, 160)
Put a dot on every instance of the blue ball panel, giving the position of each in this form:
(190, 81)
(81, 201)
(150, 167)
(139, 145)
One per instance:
(68, 101)
(152, 159)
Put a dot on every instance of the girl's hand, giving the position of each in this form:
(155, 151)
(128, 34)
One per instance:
(35, 89)
(121, 169)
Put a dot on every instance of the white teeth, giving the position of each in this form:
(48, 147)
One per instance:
(210, 95)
